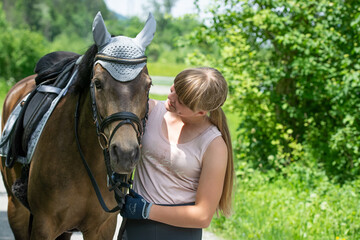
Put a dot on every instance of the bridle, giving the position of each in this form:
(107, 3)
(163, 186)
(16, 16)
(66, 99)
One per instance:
(119, 183)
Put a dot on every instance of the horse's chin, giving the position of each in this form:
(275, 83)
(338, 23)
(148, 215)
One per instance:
(123, 172)
(122, 169)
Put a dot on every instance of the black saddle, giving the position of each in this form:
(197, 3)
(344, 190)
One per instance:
(54, 71)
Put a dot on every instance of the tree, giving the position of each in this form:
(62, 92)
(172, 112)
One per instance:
(52, 18)
(293, 72)
(20, 49)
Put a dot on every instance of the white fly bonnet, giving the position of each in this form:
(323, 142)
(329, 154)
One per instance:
(119, 52)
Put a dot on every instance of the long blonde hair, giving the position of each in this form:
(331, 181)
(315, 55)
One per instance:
(206, 89)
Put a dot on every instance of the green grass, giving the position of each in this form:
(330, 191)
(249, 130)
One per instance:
(165, 69)
(158, 97)
(303, 206)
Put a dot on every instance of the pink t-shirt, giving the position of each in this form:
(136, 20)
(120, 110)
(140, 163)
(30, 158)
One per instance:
(169, 173)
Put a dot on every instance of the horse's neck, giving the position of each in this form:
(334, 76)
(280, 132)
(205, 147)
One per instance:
(87, 130)
(86, 116)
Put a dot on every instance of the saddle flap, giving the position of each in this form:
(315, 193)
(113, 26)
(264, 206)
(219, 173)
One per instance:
(40, 101)
(35, 110)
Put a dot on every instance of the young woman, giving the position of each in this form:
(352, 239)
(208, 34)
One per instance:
(186, 171)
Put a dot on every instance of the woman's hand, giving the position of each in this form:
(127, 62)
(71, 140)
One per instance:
(136, 207)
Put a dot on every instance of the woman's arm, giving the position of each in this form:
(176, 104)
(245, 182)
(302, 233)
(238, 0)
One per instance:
(208, 194)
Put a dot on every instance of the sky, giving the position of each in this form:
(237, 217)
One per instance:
(138, 7)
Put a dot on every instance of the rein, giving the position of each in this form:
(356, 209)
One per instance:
(120, 180)
(119, 183)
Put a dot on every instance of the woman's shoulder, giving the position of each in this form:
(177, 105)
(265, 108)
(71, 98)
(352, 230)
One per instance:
(217, 149)
(153, 103)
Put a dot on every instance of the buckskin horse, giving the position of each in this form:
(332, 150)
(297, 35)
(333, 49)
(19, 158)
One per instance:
(100, 116)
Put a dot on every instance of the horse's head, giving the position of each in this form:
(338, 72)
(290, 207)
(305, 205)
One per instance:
(119, 87)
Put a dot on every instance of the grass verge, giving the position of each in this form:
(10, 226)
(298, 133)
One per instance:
(305, 205)
(165, 69)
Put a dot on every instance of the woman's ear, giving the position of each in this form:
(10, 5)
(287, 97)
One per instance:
(202, 113)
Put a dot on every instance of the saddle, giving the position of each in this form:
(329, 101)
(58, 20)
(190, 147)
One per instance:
(54, 71)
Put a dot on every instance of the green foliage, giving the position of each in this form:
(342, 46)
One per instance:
(65, 24)
(19, 50)
(52, 18)
(129, 27)
(4, 88)
(165, 69)
(293, 72)
(306, 205)
(70, 42)
(167, 44)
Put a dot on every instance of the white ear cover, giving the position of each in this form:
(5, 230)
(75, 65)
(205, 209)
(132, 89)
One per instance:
(100, 33)
(146, 35)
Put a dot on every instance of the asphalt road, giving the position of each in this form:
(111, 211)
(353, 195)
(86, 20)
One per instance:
(5, 231)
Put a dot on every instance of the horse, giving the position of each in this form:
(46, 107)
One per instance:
(100, 113)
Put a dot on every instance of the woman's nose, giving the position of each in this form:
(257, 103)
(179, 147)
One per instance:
(172, 88)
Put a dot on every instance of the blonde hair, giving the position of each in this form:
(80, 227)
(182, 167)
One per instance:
(206, 89)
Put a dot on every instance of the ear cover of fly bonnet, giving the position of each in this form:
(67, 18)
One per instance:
(122, 47)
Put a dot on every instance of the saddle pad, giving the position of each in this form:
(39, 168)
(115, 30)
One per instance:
(5, 136)
(9, 127)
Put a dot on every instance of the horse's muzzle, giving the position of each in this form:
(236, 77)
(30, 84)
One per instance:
(124, 160)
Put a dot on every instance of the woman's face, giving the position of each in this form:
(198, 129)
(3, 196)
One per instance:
(174, 105)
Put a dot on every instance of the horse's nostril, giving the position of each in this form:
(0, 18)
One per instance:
(136, 154)
(131, 155)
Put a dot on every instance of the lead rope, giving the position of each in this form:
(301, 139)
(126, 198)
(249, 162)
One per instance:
(124, 220)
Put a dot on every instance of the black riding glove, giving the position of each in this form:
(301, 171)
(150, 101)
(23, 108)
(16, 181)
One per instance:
(136, 207)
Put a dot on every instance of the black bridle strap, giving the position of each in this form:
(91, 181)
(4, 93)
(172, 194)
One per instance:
(125, 118)
(128, 61)
(93, 181)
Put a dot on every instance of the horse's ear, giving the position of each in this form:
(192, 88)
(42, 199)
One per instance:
(146, 35)
(100, 33)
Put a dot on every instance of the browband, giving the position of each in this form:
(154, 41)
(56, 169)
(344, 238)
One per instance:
(104, 57)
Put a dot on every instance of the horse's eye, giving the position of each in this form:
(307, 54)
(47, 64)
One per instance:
(97, 84)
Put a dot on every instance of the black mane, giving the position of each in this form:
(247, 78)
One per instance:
(85, 69)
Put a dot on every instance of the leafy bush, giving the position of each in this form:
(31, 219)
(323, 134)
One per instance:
(20, 49)
(293, 72)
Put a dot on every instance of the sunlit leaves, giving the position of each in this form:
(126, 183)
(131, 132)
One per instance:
(293, 63)
(20, 49)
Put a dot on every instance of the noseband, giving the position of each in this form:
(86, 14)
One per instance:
(119, 183)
